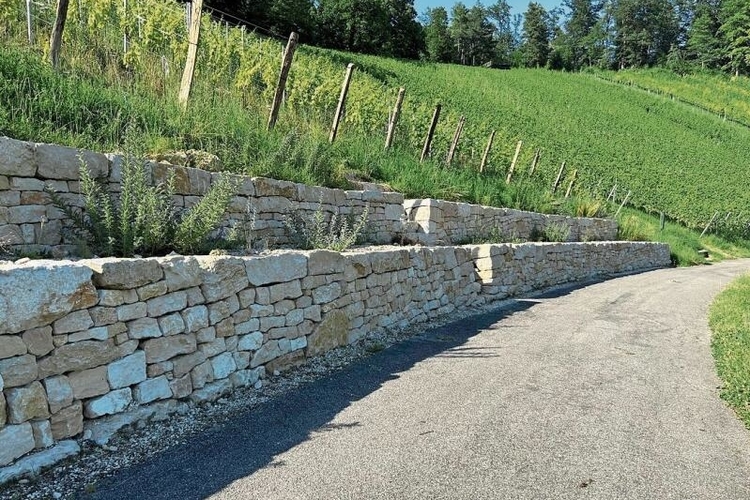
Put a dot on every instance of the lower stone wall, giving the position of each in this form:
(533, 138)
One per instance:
(451, 223)
(89, 347)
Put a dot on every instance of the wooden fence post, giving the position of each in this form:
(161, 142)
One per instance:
(627, 197)
(559, 176)
(286, 63)
(28, 22)
(570, 186)
(193, 37)
(486, 152)
(513, 163)
(394, 118)
(342, 103)
(57, 32)
(430, 134)
(125, 31)
(535, 162)
(456, 137)
(709, 224)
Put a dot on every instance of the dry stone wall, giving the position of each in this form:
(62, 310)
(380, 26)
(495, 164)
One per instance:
(447, 223)
(89, 347)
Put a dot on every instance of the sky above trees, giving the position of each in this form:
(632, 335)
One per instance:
(517, 6)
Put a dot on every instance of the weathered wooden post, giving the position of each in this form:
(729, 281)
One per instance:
(430, 134)
(486, 152)
(456, 137)
(559, 176)
(57, 32)
(570, 186)
(627, 197)
(193, 37)
(662, 221)
(513, 163)
(28, 22)
(535, 162)
(709, 224)
(286, 63)
(125, 31)
(394, 118)
(342, 103)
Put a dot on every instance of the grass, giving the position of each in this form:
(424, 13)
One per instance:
(730, 322)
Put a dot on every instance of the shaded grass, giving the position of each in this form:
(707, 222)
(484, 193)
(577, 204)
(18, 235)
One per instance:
(730, 322)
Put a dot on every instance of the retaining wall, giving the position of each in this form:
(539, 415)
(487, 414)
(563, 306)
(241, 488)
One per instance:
(91, 346)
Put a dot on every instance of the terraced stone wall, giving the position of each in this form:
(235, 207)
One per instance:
(88, 347)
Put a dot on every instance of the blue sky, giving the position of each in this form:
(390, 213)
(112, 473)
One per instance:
(517, 6)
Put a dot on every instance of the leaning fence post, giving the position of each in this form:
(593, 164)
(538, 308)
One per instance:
(286, 63)
(709, 224)
(430, 134)
(535, 162)
(486, 152)
(342, 103)
(559, 176)
(456, 137)
(513, 163)
(394, 118)
(570, 186)
(627, 197)
(193, 37)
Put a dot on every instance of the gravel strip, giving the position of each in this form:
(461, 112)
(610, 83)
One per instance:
(132, 446)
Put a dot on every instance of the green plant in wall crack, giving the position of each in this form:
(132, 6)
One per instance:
(316, 231)
(143, 219)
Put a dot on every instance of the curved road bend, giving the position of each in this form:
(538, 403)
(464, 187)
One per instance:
(606, 391)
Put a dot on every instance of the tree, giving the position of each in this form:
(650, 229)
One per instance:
(703, 41)
(505, 43)
(735, 32)
(437, 37)
(645, 31)
(472, 34)
(536, 36)
(582, 20)
(406, 36)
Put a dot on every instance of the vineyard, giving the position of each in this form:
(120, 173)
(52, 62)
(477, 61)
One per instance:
(122, 65)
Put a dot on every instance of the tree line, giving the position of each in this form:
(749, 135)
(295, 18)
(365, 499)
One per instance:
(614, 34)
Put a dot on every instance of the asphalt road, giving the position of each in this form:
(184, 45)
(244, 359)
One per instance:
(606, 391)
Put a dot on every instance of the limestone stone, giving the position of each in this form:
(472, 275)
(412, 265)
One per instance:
(180, 272)
(79, 356)
(211, 391)
(288, 290)
(114, 298)
(326, 293)
(298, 343)
(332, 332)
(26, 403)
(245, 378)
(221, 276)
(223, 365)
(59, 392)
(216, 346)
(247, 297)
(127, 371)
(241, 359)
(42, 434)
(109, 404)
(195, 318)
(182, 365)
(225, 328)
(251, 342)
(285, 361)
(276, 268)
(98, 333)
(17, 158)
(37, 293)
(73, 322)
(195, 296)
(172, 324)
(58, 162)
(152, 290)
(152, 390)
(159, 306)
(164, 348)
(181, 387)
(11, 346)
(3, 410)
(144, 328)
(177, 175)
(19, 370)
(17, 441)
(270, 350)
(325, 262)
(128, 312)
(89, 383)
(124, 274)
(202, 374)
(206, 335)
(247, 327)
(34, 464)
(222, 309)
(67, 422)
(295, 317)
(38, 340)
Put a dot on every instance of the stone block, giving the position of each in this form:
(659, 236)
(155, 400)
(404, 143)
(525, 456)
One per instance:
(216, 346)
(109, 404)
(268, 351)
(73, 322)
(221, 276)
(181, 387)
(225, 328)
(9, 199)
(144, 328)
(325, 262)
(114, 298)
(124, 274)
(19, 370)
(182, 365)
(202, 375)
(251, 342)
(285, 362)
(206, 335)
(34, 464)
(163, 173)
(277, 268)
(159, 306)
(127, 371)
(172, 324)
(180, 272)
(223, 365)
(130, 312)
(17, 158)
(38, 340)
(152, 390)
(247, 327)
(11, 235)
(59, 392)
(17, 441)
(67, 422)
(42, 434)
(211, 391)
(241, 359)
(195, 318)
(59, 162)
(98, 333)
(288, 290)
(26, 214)
(89, 383)
(265, 187)
(222, 309)
(298, 343)
(26, 403)
(326, 293)
(164, 348)
(78, 357)
(245, 378)
(3, 410)
(332, 332)
(37, 293)
(152, 290)
(11, 346)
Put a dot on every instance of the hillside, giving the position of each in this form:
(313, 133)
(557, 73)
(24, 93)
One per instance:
(672, 158)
